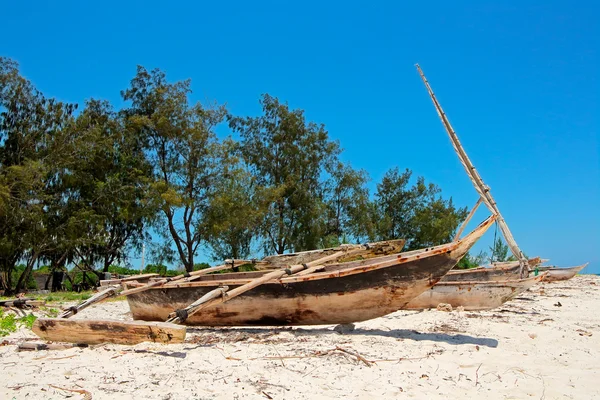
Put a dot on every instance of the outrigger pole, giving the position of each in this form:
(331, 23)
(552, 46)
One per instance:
(480, 186)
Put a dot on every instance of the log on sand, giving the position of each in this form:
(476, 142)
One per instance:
(103, 331)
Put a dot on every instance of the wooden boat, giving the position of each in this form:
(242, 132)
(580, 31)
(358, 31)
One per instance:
(342, 293)
(497, 272)
(473, 296)
(532, 262)
(483, 274)
(560, 274)
(359, 252)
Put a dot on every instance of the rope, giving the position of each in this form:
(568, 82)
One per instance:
(494, 245)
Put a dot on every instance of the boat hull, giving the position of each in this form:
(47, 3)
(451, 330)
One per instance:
(483, 274)
(472, 296)
(336, 300)
(344, 293)
(561, 274)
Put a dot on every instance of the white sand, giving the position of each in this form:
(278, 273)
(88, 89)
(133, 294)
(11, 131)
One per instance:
(528, 348)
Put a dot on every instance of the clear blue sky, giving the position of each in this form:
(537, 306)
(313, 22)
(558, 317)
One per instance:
(519, 83)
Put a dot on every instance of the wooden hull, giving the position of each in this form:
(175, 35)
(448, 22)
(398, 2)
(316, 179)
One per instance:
(483, 274)
(532, 262)
(472, 295)
(370, 250)
(560, 274)
(343, 293)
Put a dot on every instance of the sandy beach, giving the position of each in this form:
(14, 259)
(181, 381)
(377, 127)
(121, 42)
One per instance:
(543, 345)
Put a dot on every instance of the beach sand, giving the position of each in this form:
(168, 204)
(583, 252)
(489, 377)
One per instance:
(530, 348)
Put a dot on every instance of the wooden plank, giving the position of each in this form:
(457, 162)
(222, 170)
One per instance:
(466, 221)
(19, 303)
(107, 331)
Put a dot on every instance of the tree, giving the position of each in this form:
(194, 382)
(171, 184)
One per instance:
(108, 178)
(29, 126)
(416, 213)
(181, 145)
(499, 251)
(287, 157)
(349, 213)
(236, 208)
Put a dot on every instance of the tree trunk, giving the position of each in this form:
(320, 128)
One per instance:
(25, 275)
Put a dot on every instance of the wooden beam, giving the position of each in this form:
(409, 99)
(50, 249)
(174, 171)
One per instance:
(107, 331)
(464, 224)
(20, 303)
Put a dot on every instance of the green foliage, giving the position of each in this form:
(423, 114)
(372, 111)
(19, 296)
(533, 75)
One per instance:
(84, 189)
(468, 261)
(287, 157)
(156, 269)
(9, 323)
(416, 213)
(499, 251)
(181, 146)
(61, 297)
(198, 267)
(118, 270)
(235, 209)
(27, 321)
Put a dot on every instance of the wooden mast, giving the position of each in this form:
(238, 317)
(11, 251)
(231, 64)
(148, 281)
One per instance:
(480, 186)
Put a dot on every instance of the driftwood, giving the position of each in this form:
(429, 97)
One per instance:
(48, 346)
(107, 331)
(219, 295)
(20, 303)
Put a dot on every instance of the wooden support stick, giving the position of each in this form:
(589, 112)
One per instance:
(113, 291)
(194, 274)
(464, 224)
(103, 295)
(181, 315)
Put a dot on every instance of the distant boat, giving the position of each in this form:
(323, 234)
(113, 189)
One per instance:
(497, 272)
(473, 296)
(560, 274)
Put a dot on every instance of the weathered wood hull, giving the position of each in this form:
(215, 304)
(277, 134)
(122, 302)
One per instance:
(472, 296)
(369, 250)
(343, 293)
(483, 274)
(560, 274)
(532, 262)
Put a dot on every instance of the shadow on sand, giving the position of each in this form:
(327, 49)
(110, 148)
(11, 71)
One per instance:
(454, 339)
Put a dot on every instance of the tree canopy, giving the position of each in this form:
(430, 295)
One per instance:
(84, 188)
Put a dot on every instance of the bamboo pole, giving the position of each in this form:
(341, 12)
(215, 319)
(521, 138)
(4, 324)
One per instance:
(466, 221)
(480, 187)
(117, 290)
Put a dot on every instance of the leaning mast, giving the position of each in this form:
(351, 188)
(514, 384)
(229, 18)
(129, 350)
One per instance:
(480, 186)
